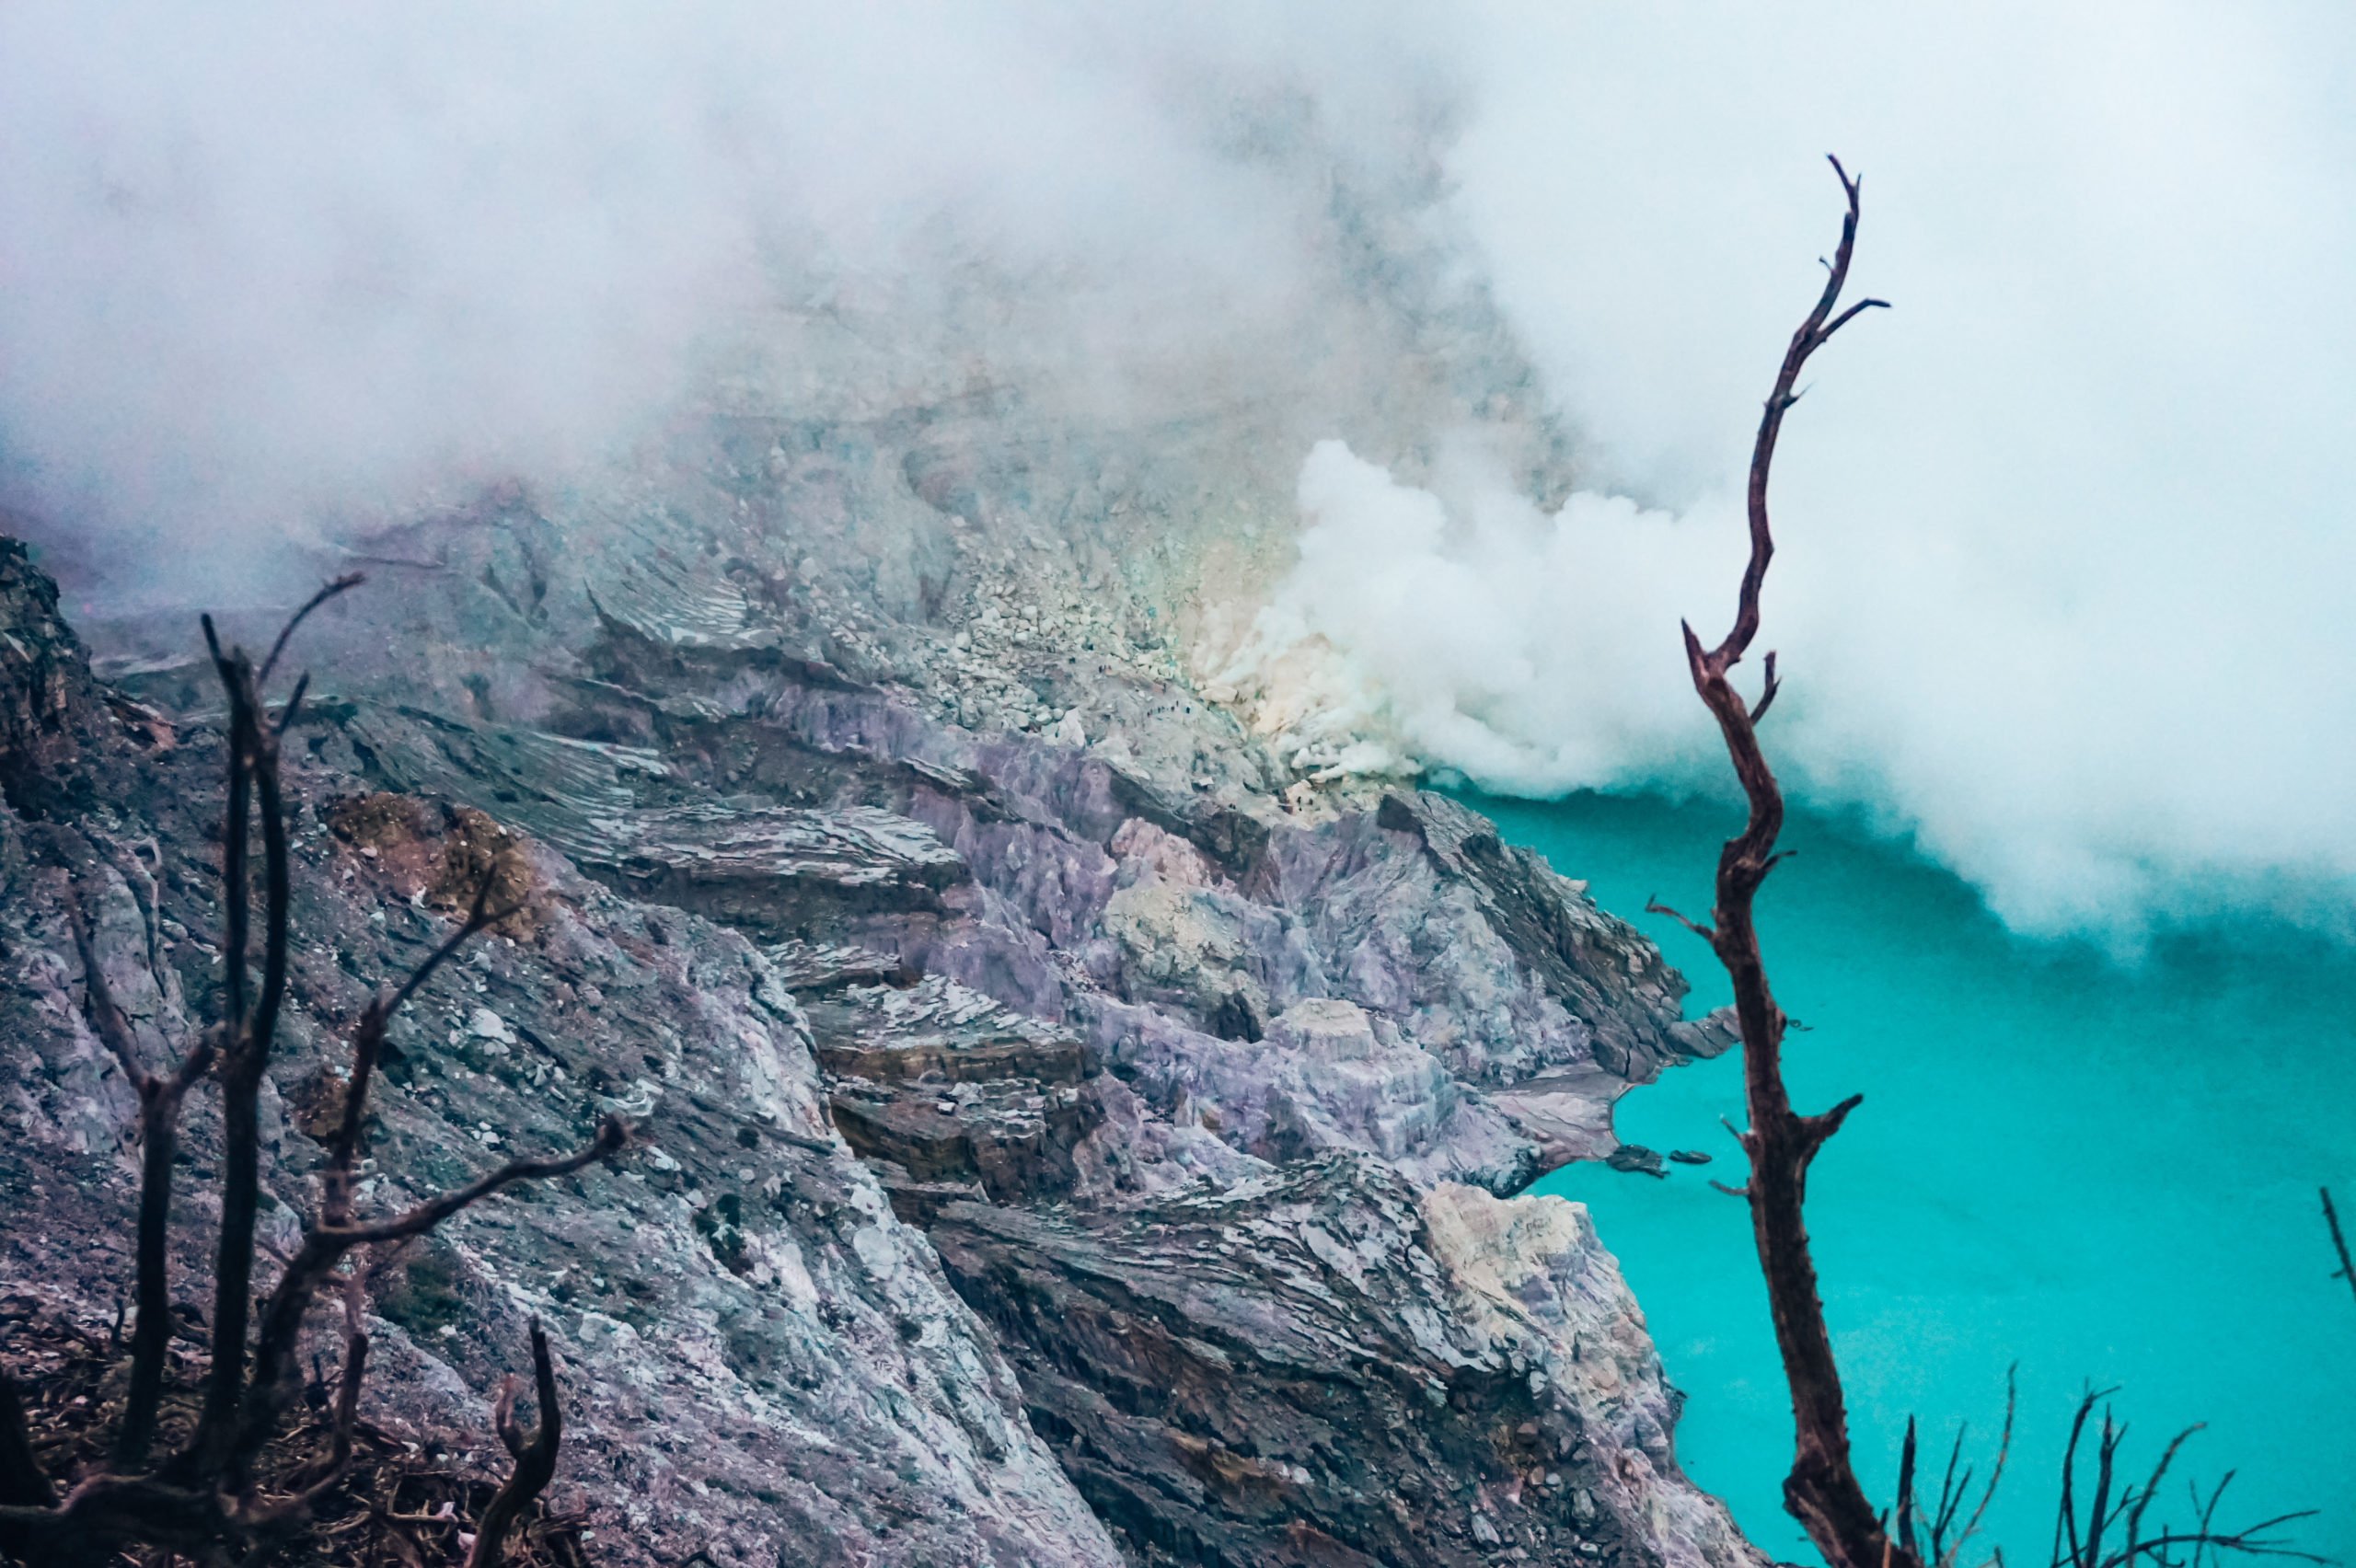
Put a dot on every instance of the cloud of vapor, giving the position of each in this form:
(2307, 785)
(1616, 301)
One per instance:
(269, 267)
(2065, 534)
(2064, 537)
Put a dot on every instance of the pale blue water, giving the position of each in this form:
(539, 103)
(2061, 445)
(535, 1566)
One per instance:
(2100, 1173)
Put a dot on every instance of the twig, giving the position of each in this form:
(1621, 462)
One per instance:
(534, 1460)
(1655, 906)
(2339, 1242)
(1767, 697)
(1943, 1558)
(345, 584)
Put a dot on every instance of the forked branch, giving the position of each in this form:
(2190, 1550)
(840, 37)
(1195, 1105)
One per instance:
(534, 1456)
(160, 1097)
(201, 1502)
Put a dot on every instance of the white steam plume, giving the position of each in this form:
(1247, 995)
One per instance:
(2065, 538)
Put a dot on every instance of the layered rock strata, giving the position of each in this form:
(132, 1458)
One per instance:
(1045, 1159)
(758, 1361)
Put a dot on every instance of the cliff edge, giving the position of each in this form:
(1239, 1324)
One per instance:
(1046, 1161)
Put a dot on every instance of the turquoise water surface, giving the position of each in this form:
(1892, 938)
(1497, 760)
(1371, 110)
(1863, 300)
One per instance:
(2099, 1172)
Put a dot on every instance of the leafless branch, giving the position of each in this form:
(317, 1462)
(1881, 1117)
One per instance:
(1767, 697)
(244, 1046)
(294, 706)
(2339, 1242)
(1952, 1490)
(534, 1460)
(1821, 1490)
(344, 584)
(368, 1046)
(160, 1098)
(1906, 1494)
(264, 1517)
(323, 1247)
(200, 1503)
(612, 1137)
(1655, 906)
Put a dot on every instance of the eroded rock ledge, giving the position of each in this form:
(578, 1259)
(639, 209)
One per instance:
(1045, 1163)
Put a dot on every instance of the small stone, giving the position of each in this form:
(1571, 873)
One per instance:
(1635, 1158)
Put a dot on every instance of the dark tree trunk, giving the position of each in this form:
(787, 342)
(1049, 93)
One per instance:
(1821, 1490)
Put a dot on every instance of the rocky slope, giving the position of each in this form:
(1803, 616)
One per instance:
(1056, 1150)
(804, 1386)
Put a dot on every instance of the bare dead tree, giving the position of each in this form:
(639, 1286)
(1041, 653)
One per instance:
(534, 1456)
(2101, 1531)
(1821, 1490)
(201, 1498)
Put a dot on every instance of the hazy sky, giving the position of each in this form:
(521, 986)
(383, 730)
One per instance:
(2063, 533)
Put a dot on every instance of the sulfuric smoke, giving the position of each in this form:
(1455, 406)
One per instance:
(2065, 534)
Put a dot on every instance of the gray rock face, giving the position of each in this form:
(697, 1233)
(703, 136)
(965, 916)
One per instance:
(1048, 1160)
(46, 703)
(758, 1361)
(1170, 933)
(1320, 1362)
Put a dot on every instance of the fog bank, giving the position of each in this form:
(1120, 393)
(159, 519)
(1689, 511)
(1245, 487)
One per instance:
(271, 274)
(2062, 536)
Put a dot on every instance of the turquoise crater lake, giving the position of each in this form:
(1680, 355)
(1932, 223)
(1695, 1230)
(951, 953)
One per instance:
(2096, 1171)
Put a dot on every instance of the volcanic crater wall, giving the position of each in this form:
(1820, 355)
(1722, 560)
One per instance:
(1059, 1143)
